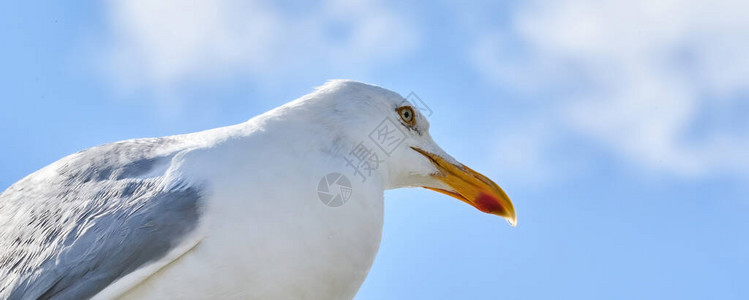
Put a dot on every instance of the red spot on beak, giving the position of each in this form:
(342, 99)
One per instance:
(488, 204)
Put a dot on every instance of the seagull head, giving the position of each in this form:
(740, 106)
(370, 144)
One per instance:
(376, 120)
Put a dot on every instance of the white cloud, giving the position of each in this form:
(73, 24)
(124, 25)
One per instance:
(161, 43)
(634, 75)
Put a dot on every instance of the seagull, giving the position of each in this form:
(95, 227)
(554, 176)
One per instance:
(287, 205)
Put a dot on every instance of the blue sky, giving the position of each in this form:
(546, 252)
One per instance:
(617, 127)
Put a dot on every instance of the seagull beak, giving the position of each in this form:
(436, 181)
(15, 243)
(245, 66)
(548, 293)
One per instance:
(471, 187)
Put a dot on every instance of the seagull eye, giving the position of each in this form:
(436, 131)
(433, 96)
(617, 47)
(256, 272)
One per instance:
(407, 114)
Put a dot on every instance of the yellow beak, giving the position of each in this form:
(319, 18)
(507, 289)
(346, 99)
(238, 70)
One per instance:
(471, 187)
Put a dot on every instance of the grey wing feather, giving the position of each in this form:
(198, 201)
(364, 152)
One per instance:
(74, 227)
